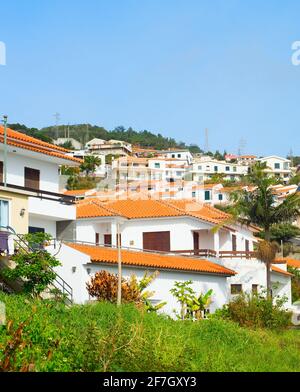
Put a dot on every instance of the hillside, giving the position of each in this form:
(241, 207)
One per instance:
(101, 337)
(86, 132)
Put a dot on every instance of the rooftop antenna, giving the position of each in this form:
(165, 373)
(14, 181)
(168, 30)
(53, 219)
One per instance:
(206, 148)
(57, 118)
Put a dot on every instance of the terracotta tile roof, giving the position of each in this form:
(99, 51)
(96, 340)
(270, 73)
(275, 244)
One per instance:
(138, 209)
(199, 210)
(280, 271)
(79, 192)
(26, 142)
(295, 263)
(135, 209)
(92, 208)
(152, 260)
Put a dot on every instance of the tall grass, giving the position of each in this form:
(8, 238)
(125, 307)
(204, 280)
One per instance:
(101, 337)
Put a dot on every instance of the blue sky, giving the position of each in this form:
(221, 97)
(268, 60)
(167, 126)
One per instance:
(173, 67)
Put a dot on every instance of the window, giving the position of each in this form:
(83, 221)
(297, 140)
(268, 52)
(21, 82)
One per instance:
(233, 238)
(277, 165)
(178, 155)
(173, 155)
(220, 197)
(216, 168)
(178, 173)
(157, 240)
(32, 229)
(4, 213)
(157, 165)
(286, 166)
(199, 167)
(135, 164)
(32, 178)
(254, 288)
(97, 238)
(247, 245)
(235, 288)
(234, 168)
(207, 195)
(227, 168)
(208, 168)
(193, 194)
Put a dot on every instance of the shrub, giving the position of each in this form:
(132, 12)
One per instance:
(33, 265)
(256, 311)
(104, 286)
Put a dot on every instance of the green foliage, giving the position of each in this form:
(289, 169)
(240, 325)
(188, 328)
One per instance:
(33, 265)
(102, 337)
(256, 311)
(295, 180)
(67, 145)
(192, 306)
(282, 232)
(104, 287)
(78, 182)
(295, 283)
(90, 164)
(34, 132)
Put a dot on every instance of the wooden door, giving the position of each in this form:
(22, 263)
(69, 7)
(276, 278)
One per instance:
(196, 242)
(233, 242)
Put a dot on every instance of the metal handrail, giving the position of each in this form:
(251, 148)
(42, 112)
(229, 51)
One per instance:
(58, 279)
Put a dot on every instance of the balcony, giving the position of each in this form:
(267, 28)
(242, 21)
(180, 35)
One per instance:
(230, 254)
(58, 197)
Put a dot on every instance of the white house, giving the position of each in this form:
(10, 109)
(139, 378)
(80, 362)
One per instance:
(205, 168)
(32, 179)
(176, 228)
(278, 166)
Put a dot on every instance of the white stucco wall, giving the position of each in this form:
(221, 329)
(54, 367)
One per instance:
(70, 257)
(49, 177)
(47, 224)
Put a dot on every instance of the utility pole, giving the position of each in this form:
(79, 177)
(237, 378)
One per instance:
(206, 147)
(5, 151)
(57, 118)
(119, 297)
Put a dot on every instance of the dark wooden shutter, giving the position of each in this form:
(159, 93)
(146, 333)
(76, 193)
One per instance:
(247, 245)
(97, 238)
(1, 171)
(32, 178)
(107, 239)
(233, 242)
(157, 240)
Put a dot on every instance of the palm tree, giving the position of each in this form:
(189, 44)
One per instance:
(257, 207)
(90, 163)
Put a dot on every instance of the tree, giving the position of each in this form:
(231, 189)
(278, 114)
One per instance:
(282, 232)
(295, 180)
(90, 164)
(33, 265)
(257, 207)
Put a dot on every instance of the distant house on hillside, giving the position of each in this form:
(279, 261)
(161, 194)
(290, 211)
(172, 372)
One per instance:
(62, 140)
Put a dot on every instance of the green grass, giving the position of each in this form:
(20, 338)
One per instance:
(101, 337)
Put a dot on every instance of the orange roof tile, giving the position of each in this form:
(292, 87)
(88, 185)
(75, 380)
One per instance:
(280, 271)
(91, 209)
(26, 142)
(152, 260)
(295, 263)
(79, 192)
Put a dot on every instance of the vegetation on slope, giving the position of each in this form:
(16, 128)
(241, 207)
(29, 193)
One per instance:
(101, 337)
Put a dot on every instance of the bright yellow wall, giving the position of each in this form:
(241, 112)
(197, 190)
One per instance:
(16, 203)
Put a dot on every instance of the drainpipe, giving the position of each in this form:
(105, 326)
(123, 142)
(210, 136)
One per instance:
(5, 151)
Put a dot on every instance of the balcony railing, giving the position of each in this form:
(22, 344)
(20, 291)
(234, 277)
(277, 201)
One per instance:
(197, 252)
(241, 254)
(65, 199)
